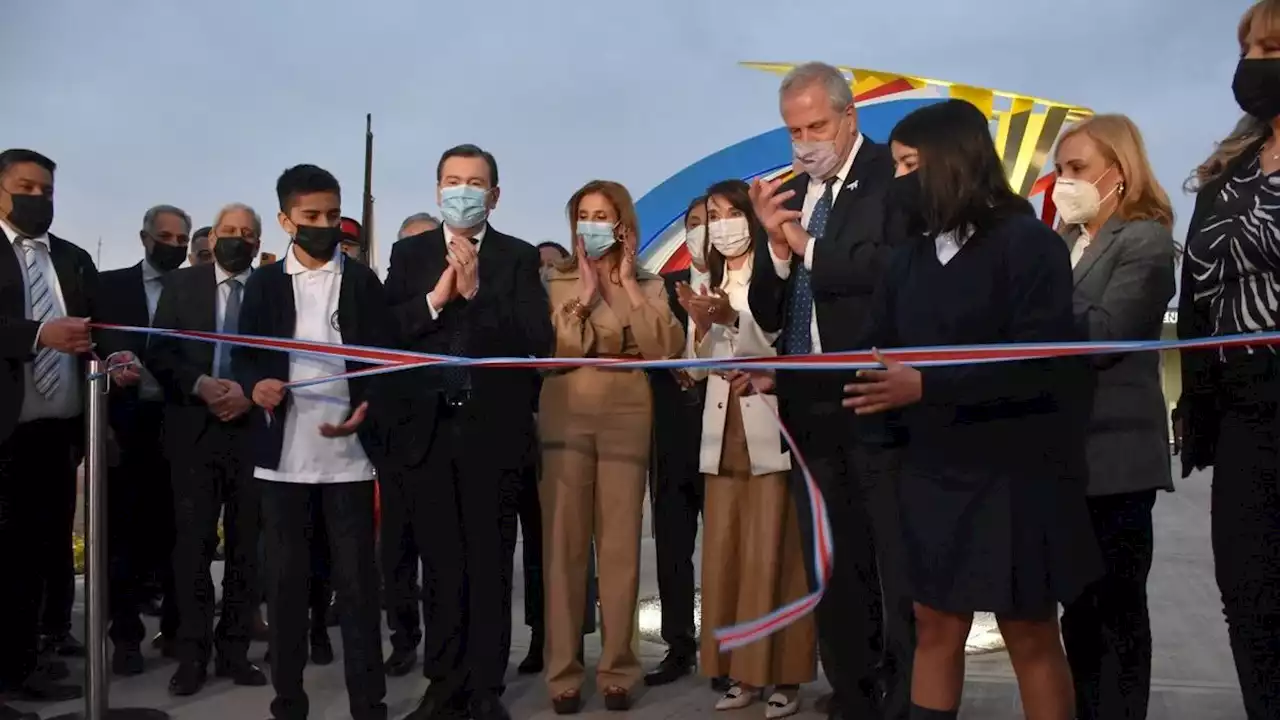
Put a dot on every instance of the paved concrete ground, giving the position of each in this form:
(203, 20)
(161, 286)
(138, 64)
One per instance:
(1193, 672)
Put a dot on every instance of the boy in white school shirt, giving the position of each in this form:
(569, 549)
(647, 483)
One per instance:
(315, 445)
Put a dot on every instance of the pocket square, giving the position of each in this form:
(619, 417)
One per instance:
(852, 185)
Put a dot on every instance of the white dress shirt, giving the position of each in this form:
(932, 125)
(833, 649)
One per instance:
(65, 402)
(220, 312)
(759, 421)
(449, 238)
(947, 244)
(811, 198)
(307, 456)
(1081, 244)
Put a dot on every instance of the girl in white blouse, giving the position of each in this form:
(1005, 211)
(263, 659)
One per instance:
(752, 558)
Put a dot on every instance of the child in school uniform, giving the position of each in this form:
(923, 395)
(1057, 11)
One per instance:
(313, 445)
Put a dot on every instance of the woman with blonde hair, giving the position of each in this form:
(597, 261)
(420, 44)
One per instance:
(751, 532)
(1231, 286)
(1117, 222)
(595, 426)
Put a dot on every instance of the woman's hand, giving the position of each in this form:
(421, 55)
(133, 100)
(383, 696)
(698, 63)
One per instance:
(742, 382)
(627, 265)
(588, 281)
(697, 306)
(722, 313)
(877, 391)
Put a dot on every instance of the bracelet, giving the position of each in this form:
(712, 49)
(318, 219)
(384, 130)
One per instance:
(575, 308)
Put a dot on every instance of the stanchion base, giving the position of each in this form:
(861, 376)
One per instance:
(120, 714)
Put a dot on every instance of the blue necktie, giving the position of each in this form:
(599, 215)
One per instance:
(799, 339)
(230, 325)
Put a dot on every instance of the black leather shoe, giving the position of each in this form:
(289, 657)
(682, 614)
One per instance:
(39, 687)
(400, 662)
(321, 650)
(64, 645)
(673, 667)
(487, 706)
(241, 672)
(188, 679)
(127, 660)
(532, 663)
(437, 703)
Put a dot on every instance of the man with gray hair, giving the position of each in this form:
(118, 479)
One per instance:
(139, 484)
(813, 282)
(416, 224)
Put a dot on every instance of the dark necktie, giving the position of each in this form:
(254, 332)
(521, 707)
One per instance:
(799, 338)
(457, 381)
(230, 325)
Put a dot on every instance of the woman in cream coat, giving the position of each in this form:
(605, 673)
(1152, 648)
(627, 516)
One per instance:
(753, 561)
(595, 426)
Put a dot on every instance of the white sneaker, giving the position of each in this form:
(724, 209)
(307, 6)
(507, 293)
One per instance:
(781, 706)
(736, 697)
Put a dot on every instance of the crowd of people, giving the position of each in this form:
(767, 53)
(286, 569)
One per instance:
(1012, 488)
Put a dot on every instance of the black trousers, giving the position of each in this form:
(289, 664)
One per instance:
(215, 478)
(464, 518)
(399, 554)
(37, 473)
(676, 493)
(1107, 631)
(320, 591)
(866, 624)
(1246, 527)
(348, 517)
(140, 527)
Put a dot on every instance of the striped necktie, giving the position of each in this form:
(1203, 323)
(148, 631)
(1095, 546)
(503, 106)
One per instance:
(45, 367)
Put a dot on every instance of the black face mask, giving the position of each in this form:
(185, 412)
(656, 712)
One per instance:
(906, 196)
(234, 254)
(1257, 87)
(31, 214)
(317, 241)
(166, 257)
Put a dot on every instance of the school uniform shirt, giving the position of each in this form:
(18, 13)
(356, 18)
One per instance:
(307, 456)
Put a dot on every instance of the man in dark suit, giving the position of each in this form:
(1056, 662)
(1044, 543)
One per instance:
(47, 290)
(206, 438)
(813, 281)
(311, 445)
(138, 484)
(460, 438)
(676, 493)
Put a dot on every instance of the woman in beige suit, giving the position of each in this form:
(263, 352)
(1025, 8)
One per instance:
(595, 427)
(753, 562)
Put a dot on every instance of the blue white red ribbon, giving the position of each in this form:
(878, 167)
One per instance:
(385, 361)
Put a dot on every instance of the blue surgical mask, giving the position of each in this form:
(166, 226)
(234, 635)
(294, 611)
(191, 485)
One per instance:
(597, 237)
(463, 206)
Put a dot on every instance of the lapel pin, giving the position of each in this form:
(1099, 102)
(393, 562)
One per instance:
(852, 186)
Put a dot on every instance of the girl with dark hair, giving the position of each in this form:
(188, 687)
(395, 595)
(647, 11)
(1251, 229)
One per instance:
(992, 481)
(750, 526)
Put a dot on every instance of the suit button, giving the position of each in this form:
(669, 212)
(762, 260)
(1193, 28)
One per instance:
(719, 406)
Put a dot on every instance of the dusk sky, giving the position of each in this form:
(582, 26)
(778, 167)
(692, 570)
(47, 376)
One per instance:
(196, 104)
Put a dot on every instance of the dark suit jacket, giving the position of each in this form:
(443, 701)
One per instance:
(848, 264)
(509, 316)
(1123, 284)
(1199, 402)
(122, 300)
(78, 279)
(189, 302)
(267, 309)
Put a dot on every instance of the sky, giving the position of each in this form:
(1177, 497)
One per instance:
(195, 104)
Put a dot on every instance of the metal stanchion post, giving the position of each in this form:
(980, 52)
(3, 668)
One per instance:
(96, 705)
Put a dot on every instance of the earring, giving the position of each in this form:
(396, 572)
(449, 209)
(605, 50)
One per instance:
(1120, 189)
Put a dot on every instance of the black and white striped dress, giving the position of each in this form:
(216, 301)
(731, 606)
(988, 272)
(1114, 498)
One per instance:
(1235, 258)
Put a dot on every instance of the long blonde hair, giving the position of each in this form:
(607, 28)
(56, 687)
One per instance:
(618, 197)
(1249, 130)
(1120, 142)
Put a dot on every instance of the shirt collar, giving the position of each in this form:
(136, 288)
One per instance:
(843, 173)
(449, 235)
(149, 272)
(222, 276)
(294, 266)
(13, 234)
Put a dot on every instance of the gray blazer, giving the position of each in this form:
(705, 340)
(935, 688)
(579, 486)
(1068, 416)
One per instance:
(1123, 283)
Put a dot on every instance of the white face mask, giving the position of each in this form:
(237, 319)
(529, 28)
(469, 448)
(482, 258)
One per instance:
(731, 237)
(696, 239)
(1078, 201)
